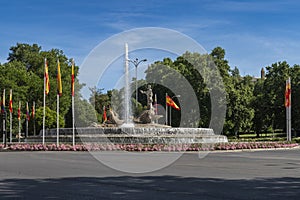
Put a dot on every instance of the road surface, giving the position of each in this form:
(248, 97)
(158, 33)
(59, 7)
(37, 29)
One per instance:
(78, 175)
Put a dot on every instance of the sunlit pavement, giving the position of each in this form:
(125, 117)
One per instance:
(271, 174)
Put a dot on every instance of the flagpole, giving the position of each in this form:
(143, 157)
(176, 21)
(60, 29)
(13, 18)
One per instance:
(59, 92)
(288, 109)
(170, 115)
(290, 117)
(10, 127)
(10, 117)
(44, 103)
(156, 111)
(44, 113)
(73, 106)
(3, 118)
(4, 128)
(290, 124)
(27, 110)
(287, 123)
(166, 110)
(19, 110)
(73, 120)
(33, 117)
(57, 121)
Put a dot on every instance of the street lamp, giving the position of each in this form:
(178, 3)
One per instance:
(136, 63)
(171, 108)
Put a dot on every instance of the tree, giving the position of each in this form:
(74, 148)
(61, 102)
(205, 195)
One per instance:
(50, 119)
(218, 55)
(99, 100)
(274, 89)
(242, 112)
(27, 54)
(85, 113)
(24, 73)
(252, 104)
(175, 77)
(15, 77)
(295, 82)
(259, 105)
(32, 58)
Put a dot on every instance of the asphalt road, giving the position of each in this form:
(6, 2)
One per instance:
(78, 175)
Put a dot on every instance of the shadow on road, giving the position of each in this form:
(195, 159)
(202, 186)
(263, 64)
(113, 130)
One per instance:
(150, 187)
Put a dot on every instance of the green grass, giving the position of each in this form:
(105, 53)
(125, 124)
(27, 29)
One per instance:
(263, 137)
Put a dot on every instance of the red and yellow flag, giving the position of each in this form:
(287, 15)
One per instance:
(104, 114)
(27, 112)
(10, 102)
(47, 83)
(3, 102)
(288, 94)
(19, 111)
(73, 80)
(33, 111)
(170, 102)
(59, 84)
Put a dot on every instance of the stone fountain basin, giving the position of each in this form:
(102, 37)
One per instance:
(136, 135)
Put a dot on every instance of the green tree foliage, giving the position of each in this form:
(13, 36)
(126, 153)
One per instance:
(274, 89)
(99, 101)
(85, 113)
(50, 118)
(239, 104)
(27, 54)
(24, 74)
(253, 104)
(239, 90)
(259, 105)
(295, 79)
(32, 58)
(269, 99)
(172, 76)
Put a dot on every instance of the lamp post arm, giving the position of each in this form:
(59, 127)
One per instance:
(136, 63)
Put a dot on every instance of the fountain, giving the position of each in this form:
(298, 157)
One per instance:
(127, 109)
(142, 130)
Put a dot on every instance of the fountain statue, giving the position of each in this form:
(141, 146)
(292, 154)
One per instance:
(149, 97)
(148, 116)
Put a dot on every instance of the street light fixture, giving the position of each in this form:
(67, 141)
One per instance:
(177, 96)
(136, 63)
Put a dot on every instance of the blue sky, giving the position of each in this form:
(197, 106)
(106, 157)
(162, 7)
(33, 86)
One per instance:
(254, 33)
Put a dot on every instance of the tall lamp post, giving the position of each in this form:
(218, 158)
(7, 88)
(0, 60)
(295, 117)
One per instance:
(171, 109)
(136, 63)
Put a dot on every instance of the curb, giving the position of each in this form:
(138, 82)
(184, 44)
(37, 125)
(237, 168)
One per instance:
(254, 150)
